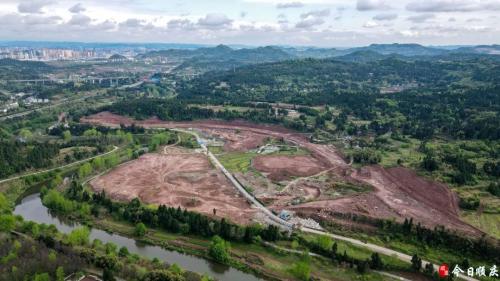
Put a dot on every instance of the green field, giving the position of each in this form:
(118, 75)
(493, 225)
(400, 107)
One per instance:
(489, 223)
(237, 161)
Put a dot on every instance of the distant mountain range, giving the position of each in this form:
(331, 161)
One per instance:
(223, 57)
(220, 57)
(267, 53)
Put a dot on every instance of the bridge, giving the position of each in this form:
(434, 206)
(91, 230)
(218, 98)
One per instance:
(99, 80)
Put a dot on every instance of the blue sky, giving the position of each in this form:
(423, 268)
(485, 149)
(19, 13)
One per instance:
(326, 23)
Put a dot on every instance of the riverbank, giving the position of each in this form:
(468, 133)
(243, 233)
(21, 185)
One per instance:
(266, 262)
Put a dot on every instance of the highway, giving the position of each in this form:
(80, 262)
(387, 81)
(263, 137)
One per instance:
(288, 225)
(67, 79)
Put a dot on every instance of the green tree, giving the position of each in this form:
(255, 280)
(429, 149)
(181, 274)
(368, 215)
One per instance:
(107, 275)
(376, 261)
(66, 135)
(123, 252)
(176, 269)
(52, 256)
(7, 223)
(111, 161)
(333, 251)
(25, 133)
(325, 242)
(140, 229)
(219, 250)
(362, 267)
(79, 236)
(416, 263)
(56, 181)
(429, 269)
(301, 270)
(42, 277)
(98, 163)
(162, 275)
(84, 170)
(91, 133)
(4, 204)
(60, 274)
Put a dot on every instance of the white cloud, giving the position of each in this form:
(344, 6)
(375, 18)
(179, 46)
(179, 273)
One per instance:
(312, 19)
(316, 13)
(309, 22)
(452, 5)
(370, 24)
(371, 5)
(387, 17)
(421, 18)
(253, 21)
(80, 20)
(33, 6)
(132, 23)
(41, 20)
(180, 24)
(76, 9)
(215, 20)
(288, 5)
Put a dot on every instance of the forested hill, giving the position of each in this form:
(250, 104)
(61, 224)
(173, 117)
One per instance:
(461, 98)
(222, 52)
(15, 69)
(402, 49)
(220, 57)
(312, 81)
(228, 58)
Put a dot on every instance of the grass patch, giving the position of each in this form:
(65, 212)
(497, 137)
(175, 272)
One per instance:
(339, 189)
(237, 161)
(216, 149)
(489, 223)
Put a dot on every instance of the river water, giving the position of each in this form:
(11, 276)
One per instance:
(32, 209)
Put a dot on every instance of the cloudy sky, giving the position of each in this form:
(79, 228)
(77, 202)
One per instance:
(330, 23)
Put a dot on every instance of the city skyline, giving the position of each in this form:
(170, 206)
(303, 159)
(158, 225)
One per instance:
(321, 23)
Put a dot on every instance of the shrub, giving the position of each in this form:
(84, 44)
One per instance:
(219, 250)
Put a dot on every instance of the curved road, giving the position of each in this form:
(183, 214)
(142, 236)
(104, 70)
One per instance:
(60, 167)
(288, 225)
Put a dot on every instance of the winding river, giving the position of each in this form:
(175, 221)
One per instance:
(32, 209)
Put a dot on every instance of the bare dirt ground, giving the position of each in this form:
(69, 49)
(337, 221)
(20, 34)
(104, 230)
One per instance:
(397, 192)
(186, 180)
(235, 140)
(278, 168)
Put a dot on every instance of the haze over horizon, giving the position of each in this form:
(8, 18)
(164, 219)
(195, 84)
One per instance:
(322, 23)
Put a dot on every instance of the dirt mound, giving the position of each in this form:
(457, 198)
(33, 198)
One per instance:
(427, 201)
(282, 167)
(185, 180)
(236, 140)
(399, 194)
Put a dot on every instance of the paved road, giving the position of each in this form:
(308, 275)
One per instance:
(60, 167)
(288, 225)
(130, 85)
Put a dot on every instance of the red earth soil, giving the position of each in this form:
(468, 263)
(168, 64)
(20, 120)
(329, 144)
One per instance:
(281, 167)
(186, 180)
(399, 192)
(237, 140)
